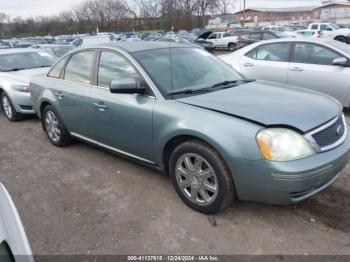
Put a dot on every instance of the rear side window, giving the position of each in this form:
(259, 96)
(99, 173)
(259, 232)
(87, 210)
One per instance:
(113, 67)
(278, 52)
(307, 53)
(57, 69)
(79, 67)
(252, 53)
(314, 27)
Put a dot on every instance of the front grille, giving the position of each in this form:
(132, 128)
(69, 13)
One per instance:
(331, 134)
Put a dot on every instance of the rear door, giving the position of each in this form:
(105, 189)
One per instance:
(312, 67)
(267, 62)
(73, 93)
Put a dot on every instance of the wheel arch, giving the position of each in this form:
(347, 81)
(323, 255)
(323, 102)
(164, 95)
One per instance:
(178, 139)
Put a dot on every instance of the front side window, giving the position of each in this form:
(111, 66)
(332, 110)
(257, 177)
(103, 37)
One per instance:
(113, 67)
(273, 52)
(184, 69)
(25, 60)
(57, 69)
(326, 27)
(213, 36)
(79, 67)
(307, 53)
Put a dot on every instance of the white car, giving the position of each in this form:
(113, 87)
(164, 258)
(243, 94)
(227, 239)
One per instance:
(17, 66)
(332, 31)
(14, 246)
(223, 40)
(322, 65)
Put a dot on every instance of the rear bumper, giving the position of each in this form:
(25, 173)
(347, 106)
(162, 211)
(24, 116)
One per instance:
(289, 182)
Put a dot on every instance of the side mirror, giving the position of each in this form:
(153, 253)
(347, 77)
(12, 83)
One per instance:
(341, 61)
(128, 85)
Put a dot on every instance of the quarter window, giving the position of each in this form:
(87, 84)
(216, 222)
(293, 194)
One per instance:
(252, 53)
(314, 54)
(56, 70)
(273, 52)
(113, 67)
(79, 67)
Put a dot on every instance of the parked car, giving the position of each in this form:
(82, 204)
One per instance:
(55, 50)
(14, 245)
(257, 36)
(185, 112)
(333, 31)
(277, 28)
(309, 33)
(16, 68)
(209, 46)
(319, 64)
(220, 39)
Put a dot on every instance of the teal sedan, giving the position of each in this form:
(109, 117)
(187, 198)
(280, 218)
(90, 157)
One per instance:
(181, 110)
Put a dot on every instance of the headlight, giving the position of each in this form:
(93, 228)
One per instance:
(20, 88)
(281, 144)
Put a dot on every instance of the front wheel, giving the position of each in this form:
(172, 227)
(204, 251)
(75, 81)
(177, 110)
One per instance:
(54, 128)
(9, 109)
(201, 178)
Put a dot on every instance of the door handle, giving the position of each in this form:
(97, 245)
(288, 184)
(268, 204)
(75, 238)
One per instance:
(101, 106)
(299, 69)
(59, 94)
(248, 64)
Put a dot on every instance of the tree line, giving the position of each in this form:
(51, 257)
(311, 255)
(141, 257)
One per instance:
(118, 16)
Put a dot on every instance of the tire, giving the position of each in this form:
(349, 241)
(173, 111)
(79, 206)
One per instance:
(54, 127)
(232, 47)
(340, 39)
(8, 108)
(201, 178)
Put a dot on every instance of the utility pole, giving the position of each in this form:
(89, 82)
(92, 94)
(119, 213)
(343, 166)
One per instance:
(244, 12)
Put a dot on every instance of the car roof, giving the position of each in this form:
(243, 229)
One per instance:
(17, 50)
(297, 39)
(132, 47)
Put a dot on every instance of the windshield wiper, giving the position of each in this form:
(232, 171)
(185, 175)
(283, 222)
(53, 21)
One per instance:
(189, 92)
(227, 84)
(13, 69)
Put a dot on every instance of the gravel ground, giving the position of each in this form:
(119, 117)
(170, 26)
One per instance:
(82, 200)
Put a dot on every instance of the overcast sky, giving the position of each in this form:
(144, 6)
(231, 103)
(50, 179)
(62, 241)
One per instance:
(27, 8)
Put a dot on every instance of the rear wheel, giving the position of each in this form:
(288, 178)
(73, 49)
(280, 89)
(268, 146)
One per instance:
(54, 128)
(341, 39)
(9, 109)
(231, 46)
(201, 178)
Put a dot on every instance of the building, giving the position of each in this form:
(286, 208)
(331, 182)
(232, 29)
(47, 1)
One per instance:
(336, 12)
(275, 15)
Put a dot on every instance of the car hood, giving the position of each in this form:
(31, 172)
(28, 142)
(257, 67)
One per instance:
(271, 104)
(343, 31)
(22, 76)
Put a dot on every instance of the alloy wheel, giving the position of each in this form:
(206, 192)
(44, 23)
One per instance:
(6, 105)
(52, 126)
(196, 179)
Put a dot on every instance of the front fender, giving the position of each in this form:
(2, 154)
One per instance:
(230, 136)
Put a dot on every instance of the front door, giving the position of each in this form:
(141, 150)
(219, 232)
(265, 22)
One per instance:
(312, 67)
(122, 122)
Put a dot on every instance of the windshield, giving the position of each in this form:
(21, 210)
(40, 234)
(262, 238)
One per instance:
(27, 60)
(181, 69)
(60, 51)
(334, 26)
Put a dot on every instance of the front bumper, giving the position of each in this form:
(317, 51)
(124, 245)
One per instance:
(288, 182)
(21, 101)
